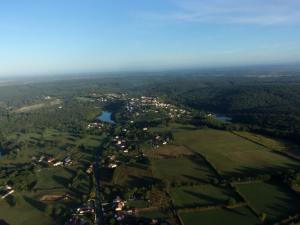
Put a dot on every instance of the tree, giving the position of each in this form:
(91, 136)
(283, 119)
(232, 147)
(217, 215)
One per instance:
(231, 201)
(263, 217)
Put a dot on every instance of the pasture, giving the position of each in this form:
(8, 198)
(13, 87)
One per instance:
(133, 175)
(168, 151)
(233, 155)
(276, 201)
(53, 178)
(271, 143)
(235, 216)
(192, 169)
(201, 195)
(24, 212)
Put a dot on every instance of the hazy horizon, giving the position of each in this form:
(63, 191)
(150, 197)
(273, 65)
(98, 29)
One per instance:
(62, 37)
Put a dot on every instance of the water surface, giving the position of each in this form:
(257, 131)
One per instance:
(105, 117)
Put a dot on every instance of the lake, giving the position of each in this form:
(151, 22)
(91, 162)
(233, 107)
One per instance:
(105, 117)
(223, 118)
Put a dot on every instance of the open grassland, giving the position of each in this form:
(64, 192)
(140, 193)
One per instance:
(271, 143)
(233, 155)
(37, 106)
(276, 201)
(153, 214)
(133, 175)
(53, 178)
(169, 151)
(24, 212)
(236, 216)
(158, 213)
(192, 169)
(201, 195)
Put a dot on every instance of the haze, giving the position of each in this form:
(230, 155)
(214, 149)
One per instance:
(54, 36)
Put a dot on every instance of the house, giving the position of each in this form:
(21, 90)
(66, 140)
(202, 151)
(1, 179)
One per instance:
(7, 194)
(42, 158)
(50, 160)
(90, 169)
(59, 163)
(112, 165)
(67, 160)
(120, 205)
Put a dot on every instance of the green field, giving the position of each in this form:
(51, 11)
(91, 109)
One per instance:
(236, 216)
(276, 201)
(132, 175)
(25, 212)
(272, 143)
(53, 178)
(201, 195)
(192, 169)
(231, 154)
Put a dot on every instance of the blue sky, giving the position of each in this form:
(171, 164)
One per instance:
(65, 36)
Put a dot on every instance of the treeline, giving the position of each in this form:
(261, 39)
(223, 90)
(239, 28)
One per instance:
(269, 105)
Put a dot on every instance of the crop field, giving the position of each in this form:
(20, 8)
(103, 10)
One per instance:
(276, 201)
(233, 155)
(201, 195)
(192, 169)
(235, 216)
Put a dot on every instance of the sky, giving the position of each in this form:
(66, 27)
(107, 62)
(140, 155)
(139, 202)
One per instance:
(40, 37)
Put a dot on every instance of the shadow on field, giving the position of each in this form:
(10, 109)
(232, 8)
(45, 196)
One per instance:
(243, 172)
(204, 197)
(36, 204)
(11, 200)
(2, 222)
(61, 180)
(143, 181)
(234, 211)
(196, 179)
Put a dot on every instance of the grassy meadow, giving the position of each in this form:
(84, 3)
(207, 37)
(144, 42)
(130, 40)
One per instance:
(231, 154)
(276, 201)
(201, 195)
(236, 216)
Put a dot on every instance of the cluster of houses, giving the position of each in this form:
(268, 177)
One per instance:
(67, 161)
(107, 97)
(121, 144)
(158, 140)
(5, 191)
(82, 213)
(117, 209)
(145, 104)
(87, 208)
(95, 125)
(112, 162)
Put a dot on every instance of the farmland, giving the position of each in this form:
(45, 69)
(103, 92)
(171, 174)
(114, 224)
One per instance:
(193, 169)
(236, 216)
(275, 200)
(156, 162)
(201, 195)
(233, 155)
(23, 212)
